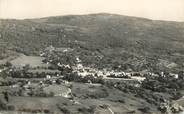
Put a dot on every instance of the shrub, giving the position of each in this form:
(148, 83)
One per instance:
(85, 110)
(64, 110)
(10, 108)
(145, 109)
(2, 105)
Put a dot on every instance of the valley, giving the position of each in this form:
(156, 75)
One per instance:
(91, 64)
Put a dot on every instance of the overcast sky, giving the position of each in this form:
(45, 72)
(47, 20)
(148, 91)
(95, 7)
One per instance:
(155, 9)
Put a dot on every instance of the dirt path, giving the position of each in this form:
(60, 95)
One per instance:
(110, 110)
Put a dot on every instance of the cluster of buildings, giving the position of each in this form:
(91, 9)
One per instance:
(83, 71)
(86, 71)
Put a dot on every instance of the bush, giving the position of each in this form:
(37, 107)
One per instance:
(64, 110)
(10, 108)
(85, 110)
(145, 109)
(2, 105)
(177, 95)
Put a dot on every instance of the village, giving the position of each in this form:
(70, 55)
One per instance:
(49, 80)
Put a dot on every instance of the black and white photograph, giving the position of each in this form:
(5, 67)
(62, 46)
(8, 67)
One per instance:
(91, 56)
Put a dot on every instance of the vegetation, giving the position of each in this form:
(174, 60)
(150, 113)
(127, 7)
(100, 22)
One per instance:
(105, 40)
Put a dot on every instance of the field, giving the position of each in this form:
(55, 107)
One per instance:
(33, 61)
(85, 96)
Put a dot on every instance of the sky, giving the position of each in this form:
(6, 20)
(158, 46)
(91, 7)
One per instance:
(172, 10)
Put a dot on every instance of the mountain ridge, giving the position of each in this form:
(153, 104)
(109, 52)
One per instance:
(92, 14)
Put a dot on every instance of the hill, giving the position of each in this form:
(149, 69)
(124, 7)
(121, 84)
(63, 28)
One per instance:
(134, 43)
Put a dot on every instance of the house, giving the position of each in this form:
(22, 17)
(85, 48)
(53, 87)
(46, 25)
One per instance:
(174, 75)
(48, 76)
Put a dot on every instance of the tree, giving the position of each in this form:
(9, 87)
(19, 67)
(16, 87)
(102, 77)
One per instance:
(26, 68)
(8, 64)
(2, 105)
(181, 75)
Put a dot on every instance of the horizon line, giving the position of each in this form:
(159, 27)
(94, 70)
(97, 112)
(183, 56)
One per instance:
(100, 13)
